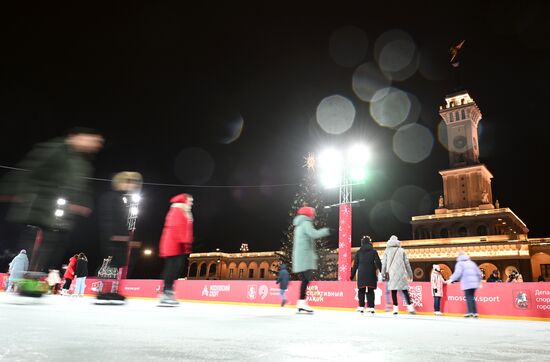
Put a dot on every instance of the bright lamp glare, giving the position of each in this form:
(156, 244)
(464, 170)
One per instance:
(358, 174)
(147, 252)
(136, 198)
(330, 166)
(358, 155)
(61, 201)
(134, 210)
(59, 213)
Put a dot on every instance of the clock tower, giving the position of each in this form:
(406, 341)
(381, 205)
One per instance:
(467, 184)
(462, 116)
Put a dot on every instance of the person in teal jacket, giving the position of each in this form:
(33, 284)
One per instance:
(304, 254)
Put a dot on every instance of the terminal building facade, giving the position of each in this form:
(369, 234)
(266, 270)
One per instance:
(466, 219)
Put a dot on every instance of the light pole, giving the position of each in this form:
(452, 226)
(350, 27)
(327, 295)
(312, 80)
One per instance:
(132, 201)
(343, 171)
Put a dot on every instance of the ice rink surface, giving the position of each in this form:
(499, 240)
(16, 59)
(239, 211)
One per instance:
(57, 328)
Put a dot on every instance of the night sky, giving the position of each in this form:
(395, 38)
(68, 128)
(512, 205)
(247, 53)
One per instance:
(171, 85)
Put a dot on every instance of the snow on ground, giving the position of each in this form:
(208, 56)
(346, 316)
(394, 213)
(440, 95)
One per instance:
(57, 328)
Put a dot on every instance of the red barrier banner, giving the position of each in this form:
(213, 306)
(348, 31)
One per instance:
(516, 300)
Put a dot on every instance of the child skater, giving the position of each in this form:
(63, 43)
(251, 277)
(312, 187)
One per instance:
(437, 288)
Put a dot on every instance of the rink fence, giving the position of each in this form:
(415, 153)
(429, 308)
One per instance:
(505, 300)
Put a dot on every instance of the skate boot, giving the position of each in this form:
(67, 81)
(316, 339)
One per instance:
(283, 302)
(395, 310)
(303, 306)
(438, 313)
(370, 311)
(168, 298)
(110, 299)
(410, 309)
(361, 309)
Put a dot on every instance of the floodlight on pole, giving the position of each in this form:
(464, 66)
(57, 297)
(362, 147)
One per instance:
(341, 171)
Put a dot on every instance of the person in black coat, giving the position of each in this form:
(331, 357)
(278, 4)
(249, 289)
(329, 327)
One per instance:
(493, 278)
(366, 264)
(81, 272)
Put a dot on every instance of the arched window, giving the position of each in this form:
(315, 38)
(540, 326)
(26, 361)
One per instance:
(212, 270)
(482, 230)
(462, 231)
(202, 270)
(451, 117)
(463, 114)
(193, 270)
(444, 233)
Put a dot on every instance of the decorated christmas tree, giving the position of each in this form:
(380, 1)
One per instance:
(310, 194)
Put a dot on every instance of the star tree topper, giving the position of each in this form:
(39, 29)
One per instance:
(310, 162)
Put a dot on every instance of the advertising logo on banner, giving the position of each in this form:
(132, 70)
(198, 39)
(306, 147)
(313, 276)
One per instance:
(96, 286)
(521, 299)
(213, 291)
(251, 291)
(263, 291)
(317, 295)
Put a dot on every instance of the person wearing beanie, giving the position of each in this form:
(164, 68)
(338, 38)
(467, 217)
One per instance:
(176, 243)
(366, 264)
(397, 271)
(304, 254)
(436, 280)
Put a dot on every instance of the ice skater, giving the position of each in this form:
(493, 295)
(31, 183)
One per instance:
(53, 190)
(366, 264)
(304, 255)
(69, 275)
(282, 280)
(81, 272)
(470, 280)
(397, 271)
(176, 244)
(18, 266)
(436, 282)
(53, 280)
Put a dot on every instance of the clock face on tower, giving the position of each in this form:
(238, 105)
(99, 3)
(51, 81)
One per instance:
(459, 142)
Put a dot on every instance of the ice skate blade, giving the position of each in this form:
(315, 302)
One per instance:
(109, 302)
(305, 311)
(168, 305)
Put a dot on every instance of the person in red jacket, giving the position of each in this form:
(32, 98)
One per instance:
(69, 275)
(175, 243)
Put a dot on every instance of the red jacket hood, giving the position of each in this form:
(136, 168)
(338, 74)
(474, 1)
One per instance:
(180, 198)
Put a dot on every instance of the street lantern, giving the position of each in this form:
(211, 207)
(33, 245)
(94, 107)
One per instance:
(343, 170)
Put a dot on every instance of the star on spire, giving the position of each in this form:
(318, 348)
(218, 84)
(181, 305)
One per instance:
(310, 162)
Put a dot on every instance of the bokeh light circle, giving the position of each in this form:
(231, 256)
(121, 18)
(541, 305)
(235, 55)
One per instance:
(413, 143)
(335, 114)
